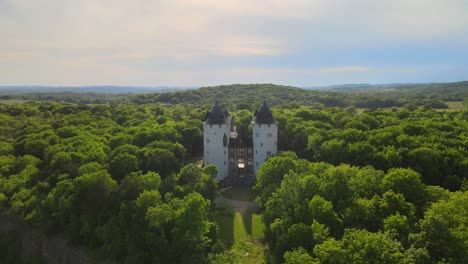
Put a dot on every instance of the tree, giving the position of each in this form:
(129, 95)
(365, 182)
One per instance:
(406, 182)
(331, 252)
(366, 182)
(360, 246)
(397, 227)
(123, 164)
(443, 229)
(361, 153)
(333, 151)
(300, 235)
(135, 183)
(391, 203)
(191, 227)
(334, 185)
(93, 189)
(160, 160)
(192, 139)
(427, 162)
(270, 175)
(242, 252)
(35, 147)
(321, 210)
(298, 256)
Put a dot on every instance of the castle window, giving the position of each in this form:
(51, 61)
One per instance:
(225, 140)
(269, 153)
(256, 152)
(225, 163)
(269, 135)
(224, 152)
(231, 151)
(240, 152)
(257, 163)
(257, 134)
(207, 140)
(268, 125)
(261, 144)
(211, 126)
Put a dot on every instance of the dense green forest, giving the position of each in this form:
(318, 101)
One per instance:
(249, 95)
(348, 186)
(244, 96)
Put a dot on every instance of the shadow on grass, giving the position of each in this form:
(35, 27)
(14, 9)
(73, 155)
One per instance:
(225, 220)
(237, 226)
(247, 220)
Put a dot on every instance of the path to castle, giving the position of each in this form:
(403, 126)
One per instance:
(237, 205)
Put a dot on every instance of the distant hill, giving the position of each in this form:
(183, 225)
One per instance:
(415, 87)
(88, 89)
(250, 95)
(243, 94)
(365, 96)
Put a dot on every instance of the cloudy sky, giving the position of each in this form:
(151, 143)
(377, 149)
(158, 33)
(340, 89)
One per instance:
(209, 42)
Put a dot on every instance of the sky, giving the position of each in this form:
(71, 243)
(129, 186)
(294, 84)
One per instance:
(304, 43)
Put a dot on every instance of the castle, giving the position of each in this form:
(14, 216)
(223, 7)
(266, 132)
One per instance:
(238, 161)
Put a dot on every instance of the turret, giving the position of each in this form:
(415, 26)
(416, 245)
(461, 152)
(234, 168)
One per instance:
(216, 134)
(265, 135)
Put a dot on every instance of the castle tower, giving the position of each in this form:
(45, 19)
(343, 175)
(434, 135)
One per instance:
(216, 134)
(265, 136)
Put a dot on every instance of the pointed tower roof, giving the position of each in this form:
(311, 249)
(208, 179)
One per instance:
(264, 116)
(216, 115)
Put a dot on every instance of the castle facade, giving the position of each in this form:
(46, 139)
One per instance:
(238, 161)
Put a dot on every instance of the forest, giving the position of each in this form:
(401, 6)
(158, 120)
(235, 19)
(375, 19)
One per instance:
(362, 175)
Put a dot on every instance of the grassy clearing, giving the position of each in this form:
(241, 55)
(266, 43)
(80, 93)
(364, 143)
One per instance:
(238, 223)
(452, 106)
(455, 105)
(241, 193)
(235, 226)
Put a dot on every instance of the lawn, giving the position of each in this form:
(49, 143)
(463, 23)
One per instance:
(455, 105)
(241, 193)
(452, 106)
(237, 226)
(236, 221)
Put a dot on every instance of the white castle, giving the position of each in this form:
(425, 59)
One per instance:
(236, 160)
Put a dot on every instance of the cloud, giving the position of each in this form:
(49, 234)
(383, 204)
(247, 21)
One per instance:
(43, 41)
(307, 71)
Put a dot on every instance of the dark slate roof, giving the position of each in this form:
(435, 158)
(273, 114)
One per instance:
(264, 116)
(216, 115)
